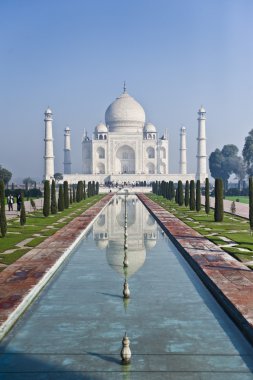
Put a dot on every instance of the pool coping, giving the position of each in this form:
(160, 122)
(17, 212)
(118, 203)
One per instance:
(22, 281)
(230, 281)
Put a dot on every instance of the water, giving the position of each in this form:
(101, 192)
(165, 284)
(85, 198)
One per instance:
(75, 327)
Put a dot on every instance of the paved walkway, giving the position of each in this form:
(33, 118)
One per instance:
(13, 214)
(242, 209)
(229, 280)
(21, 281)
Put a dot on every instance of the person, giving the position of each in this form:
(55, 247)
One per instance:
(10, 201)
(19, 202)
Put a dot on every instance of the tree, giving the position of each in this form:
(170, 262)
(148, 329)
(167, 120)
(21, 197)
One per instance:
(247, 152)
(74, 194)
(186, 194)
(28, 182)
(22, 218)
(46, 204)
(180, 193)
(3, 222)
(60, 199)
(207, 196)
(226, 162)
(5, 175)
(198, 196)
(192, 195)
(251, 203)
(66, 194)
(70, 196)
(53, 199)
(58, 177)
(218, 210)
(97, 187)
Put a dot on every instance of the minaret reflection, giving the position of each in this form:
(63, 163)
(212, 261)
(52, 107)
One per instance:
(110, 234)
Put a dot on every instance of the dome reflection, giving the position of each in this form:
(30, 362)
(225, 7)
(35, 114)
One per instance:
(108, 232)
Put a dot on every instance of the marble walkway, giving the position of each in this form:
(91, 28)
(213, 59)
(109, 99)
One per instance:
(229, 280)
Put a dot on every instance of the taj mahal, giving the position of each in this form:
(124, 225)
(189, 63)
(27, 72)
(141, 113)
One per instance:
(126, 148)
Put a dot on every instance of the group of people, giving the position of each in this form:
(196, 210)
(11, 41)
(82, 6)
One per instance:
(10, 202)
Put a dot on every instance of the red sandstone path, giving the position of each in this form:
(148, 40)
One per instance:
(21, 281)
(229, 280)
(242, 209)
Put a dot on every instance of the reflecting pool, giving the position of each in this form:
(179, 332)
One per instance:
(176, 328)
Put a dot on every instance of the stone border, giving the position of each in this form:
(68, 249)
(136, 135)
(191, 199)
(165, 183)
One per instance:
(230, 281)
(23, 280)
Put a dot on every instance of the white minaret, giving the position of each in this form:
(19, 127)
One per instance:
(201, 152)
(67, 149)
(49, 147)
(182, 151)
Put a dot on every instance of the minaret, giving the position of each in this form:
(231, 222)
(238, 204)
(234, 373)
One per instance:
(49, 147)
(182, 150)
(201, 152)
(67, 149)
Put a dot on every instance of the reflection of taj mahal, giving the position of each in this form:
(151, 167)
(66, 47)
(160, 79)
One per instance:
(142, 230)
(126, 148)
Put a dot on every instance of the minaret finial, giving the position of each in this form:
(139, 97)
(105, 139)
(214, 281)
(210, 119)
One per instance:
(124, 87)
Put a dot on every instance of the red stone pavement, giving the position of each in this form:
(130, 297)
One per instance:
(19, 279)
(230, 281)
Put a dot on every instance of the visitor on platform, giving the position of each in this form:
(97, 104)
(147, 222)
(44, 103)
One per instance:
(10, 201)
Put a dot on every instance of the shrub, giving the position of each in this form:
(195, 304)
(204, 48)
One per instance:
(198, 196)
(192, 195)
(46, 204)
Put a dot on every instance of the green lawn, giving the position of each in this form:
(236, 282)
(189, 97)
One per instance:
(233, 228)
(38, 224)
(242, 198)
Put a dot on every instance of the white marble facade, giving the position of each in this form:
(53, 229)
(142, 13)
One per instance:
(125, 144)
(127, 148)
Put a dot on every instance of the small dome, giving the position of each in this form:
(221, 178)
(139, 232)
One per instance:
(150, 128)
(124, 112)
(48, 110)
(202, 109)
(150, 243)
(101, 128)
(183, 129)
(67, 129)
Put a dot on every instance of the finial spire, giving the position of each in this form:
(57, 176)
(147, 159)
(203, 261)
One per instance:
(124, 87)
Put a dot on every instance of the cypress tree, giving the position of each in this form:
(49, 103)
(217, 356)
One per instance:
(251, 203)
(93, 188)
(74, 194)
(46, 204)
(66, 194)
(78, 192)
(22, 211)
(53, 199)
(60, 199)
(198, 196)
(186, 194)
(97, 187)
(70, 196)
(3, 222)
(180, 193)
(192, 195)
(207, 197)
(218, 210)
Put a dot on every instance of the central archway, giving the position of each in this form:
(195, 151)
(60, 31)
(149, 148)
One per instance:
(125, 160)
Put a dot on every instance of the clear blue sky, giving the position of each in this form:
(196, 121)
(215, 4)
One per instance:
(75, 54)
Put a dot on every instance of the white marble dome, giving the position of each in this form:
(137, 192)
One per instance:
(101, 128)
(125, 112)
(150, 128)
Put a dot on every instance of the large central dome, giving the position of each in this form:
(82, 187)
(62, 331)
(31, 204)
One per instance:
(125, 113)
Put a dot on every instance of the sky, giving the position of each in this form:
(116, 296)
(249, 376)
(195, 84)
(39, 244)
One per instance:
(74, 55)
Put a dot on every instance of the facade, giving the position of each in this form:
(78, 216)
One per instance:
(127, 148)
